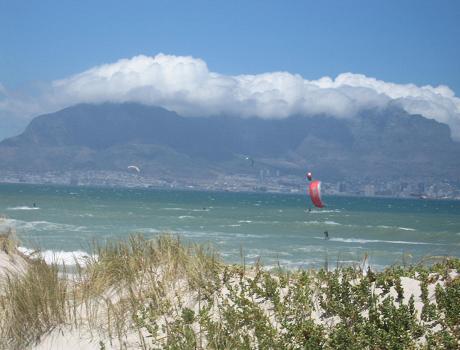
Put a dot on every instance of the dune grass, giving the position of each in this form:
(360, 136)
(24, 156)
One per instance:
(161, 293)
(33, 304)
(8, 241)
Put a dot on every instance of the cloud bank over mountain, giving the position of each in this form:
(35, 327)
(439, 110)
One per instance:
(186, 85)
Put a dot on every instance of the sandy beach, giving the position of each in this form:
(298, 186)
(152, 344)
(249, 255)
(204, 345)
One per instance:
(140, 293)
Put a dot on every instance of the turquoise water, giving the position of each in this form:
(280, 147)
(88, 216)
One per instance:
(277, 228)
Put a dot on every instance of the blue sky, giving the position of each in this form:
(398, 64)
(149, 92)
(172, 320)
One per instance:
(397, 41)
(225, 57)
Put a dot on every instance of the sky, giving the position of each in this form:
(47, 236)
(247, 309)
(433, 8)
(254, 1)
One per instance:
(51, 53)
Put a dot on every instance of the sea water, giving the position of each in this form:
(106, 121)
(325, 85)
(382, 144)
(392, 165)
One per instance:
(276, 229)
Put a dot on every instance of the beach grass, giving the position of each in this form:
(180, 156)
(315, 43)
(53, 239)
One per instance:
(162, 293)
(33, 303)
(8, 241)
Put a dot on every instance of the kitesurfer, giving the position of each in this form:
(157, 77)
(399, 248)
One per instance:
(314, 190)
(135, 168)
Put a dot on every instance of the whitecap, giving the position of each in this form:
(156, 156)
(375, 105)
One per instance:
(245, 221)
(406, 228)
(248, 235)
(41, 226)
(324, 211)
(186, 217)
(315, 222)
(23, 208)
(392, 227)
(173, 209)
(310, 249)
(86, 215)
(331, 223)
(363, 241)
(312, 222)
(147, 230)
(58, 257)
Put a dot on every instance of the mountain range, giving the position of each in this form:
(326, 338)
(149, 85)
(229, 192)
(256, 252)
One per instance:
(380, 144)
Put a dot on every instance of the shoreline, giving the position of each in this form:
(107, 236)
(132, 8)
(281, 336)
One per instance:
(341, 249)
(223, 190)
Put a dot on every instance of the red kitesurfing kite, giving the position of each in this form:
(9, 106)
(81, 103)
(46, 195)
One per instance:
(314, 190)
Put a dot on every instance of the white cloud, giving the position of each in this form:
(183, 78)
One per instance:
(186, 85)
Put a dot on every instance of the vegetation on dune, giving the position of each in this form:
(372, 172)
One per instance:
(164, 294)
(8, 241)
(33, 304)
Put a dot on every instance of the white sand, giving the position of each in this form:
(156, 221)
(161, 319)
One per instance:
(11, 264)
(68, 339)
(82, 339)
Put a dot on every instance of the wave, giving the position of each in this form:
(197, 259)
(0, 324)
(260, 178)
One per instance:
(58, 257)
(363, 241)
(265, 252)
(327, 222)
(247, 235)
(23, 208)
(331, 223)
(310, 249)
(173, 209)
(147, 230)
(40, 226)
(186, 209)
(291, 265)
(313, 211)
(186, 217)
(392, 227)
(86, 215)
(245, 221)
(227, 236)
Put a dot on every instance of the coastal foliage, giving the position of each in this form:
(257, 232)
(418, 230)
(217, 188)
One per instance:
(165, 294)
(8, 241)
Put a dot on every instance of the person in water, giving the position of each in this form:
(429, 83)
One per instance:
(326, 235)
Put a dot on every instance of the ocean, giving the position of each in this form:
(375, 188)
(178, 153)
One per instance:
(276, 229)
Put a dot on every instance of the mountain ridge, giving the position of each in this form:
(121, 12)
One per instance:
(377, 143)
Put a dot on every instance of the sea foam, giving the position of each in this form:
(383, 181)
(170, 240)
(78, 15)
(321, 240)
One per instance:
(20, 225)
(327, 222)
(23, 208)
(58, 257)
(326, 211)
(360, 240)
